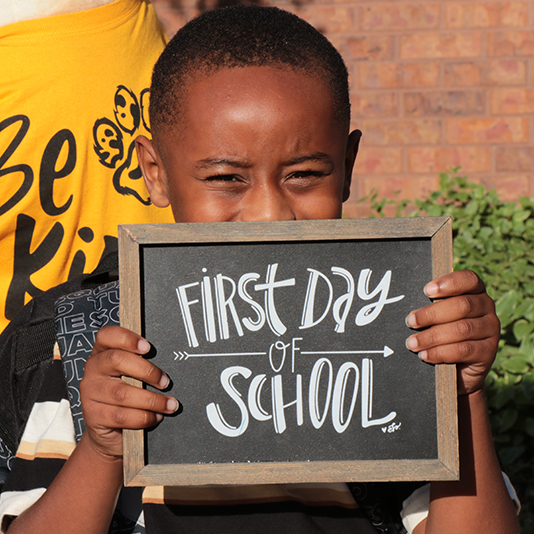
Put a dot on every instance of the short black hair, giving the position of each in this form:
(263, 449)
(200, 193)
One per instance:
(244, 36)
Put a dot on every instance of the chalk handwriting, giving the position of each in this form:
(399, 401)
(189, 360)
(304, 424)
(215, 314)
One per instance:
(393, 427)
(321, 390)
(319, 407)
(216, 297)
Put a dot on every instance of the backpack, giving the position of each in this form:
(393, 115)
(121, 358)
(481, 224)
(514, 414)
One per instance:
(26, 350)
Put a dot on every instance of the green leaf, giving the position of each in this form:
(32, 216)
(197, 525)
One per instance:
(500, 399)
(522, 329)
(507, 419)
(509, 455)
(505, 306)
(520, 216)
(516, 365)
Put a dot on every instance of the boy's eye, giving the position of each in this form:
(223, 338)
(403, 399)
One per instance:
(308, 175)
(222, 178)
(304, 174)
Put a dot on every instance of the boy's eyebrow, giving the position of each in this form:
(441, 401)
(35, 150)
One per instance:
(209, 163)
(320, 157)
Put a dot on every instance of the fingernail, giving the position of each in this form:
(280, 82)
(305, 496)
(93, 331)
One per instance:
(143, 346)
(431, 290)
(423, 355)
(164, 381)
(411, 343)
(159, 417)
(172, 405)
(411, 320)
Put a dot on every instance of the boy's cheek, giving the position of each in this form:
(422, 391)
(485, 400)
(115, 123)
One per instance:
(217, 207)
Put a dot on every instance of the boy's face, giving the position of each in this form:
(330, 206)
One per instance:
(253, 143)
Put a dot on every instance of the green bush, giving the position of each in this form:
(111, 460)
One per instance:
(496, 240)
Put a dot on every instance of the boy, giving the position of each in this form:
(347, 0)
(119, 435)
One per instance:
(250, 116)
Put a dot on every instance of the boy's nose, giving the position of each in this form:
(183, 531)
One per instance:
(268, 203)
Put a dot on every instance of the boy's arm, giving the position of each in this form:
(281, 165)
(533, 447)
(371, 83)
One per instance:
(83, 496)
(464, 329)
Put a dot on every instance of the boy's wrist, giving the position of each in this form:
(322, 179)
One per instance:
(92, 449)
(473, 394)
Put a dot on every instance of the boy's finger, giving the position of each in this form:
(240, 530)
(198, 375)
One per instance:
(451, 309)
(117, 363)
(115, 392)
(476, 355)
(466, 330)
(456, 283)
(117, 337)
(120, 417)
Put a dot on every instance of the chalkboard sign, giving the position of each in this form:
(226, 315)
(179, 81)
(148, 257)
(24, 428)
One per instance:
(285, 342)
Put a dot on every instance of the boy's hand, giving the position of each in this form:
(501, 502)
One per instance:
(108, 403)
(463, 328)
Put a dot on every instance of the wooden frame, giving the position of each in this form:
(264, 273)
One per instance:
(133, 238)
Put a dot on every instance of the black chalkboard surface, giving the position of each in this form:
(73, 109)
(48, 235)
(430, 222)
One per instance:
(285, 342)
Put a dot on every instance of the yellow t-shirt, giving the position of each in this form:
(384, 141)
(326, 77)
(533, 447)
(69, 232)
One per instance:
(73, 97)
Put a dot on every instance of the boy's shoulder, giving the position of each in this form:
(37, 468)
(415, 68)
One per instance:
(27, 347)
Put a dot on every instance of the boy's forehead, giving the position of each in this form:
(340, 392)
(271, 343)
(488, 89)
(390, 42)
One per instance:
(260, 84)
(245, 90)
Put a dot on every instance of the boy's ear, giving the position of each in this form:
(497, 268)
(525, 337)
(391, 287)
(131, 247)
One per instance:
(353, 143)
(153, 172)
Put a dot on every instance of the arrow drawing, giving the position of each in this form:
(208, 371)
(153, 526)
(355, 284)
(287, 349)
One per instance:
(385, 352)
(182, 355)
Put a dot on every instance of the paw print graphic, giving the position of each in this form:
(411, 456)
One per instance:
(114, 142)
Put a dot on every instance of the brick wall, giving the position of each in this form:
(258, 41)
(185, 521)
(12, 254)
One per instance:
(434, 85)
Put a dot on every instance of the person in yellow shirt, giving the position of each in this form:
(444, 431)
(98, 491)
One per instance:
(73, 97)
